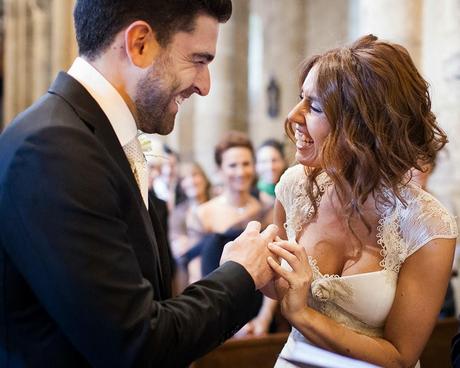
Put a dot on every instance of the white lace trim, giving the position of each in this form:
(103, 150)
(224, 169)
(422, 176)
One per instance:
(300, 210)
(401, 230)
(316, 272)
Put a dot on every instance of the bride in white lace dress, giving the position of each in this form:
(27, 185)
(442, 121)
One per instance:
(368, 253)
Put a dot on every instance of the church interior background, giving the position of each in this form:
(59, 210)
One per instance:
(254, 77)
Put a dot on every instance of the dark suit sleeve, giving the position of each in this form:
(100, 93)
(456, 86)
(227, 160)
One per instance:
(66, 234)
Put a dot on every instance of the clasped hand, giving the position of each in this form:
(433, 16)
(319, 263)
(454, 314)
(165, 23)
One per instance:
(250, 250)
(292, 285)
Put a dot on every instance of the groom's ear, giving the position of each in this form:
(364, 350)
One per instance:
(141, 44)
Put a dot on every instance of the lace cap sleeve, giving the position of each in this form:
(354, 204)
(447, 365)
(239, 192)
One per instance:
(284, 188)
(425, 219)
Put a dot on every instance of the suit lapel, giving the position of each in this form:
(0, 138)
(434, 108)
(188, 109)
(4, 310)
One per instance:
(92, 115)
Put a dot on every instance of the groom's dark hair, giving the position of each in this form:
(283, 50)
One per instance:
(98, 21)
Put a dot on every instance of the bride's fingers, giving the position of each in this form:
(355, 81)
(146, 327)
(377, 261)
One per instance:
(299, 251)
(293, 253)
(279, 251)
(285, 274)
(294, 248)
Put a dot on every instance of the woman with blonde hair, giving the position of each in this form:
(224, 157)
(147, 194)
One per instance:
(367, 255)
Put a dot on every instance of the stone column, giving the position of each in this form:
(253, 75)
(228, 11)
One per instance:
(277, 38)
(63, 40)
(226, 105)
(326, 29)
(15, 97)
(40, 47)
(394, 20)
(35, 30)
(181, 139)
(441, 66)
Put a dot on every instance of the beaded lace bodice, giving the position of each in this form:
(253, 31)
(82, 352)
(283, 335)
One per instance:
(363, 301)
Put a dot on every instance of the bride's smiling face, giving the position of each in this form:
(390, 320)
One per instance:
(310, 124)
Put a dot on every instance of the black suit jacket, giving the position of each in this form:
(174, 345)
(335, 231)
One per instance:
(84, 271)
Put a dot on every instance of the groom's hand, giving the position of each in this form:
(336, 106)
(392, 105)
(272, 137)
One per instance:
(250, 250)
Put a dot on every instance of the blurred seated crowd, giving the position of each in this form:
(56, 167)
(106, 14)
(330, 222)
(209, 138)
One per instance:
(201, 216)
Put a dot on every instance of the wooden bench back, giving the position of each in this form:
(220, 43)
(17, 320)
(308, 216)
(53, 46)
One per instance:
(245, 352)
(437, 350)
(262, 352)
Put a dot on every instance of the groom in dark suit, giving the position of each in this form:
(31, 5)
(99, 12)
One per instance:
(84, 272)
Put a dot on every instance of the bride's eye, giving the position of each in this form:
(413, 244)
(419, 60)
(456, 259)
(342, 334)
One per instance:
(316, 108)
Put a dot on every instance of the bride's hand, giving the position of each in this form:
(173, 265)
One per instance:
(294, 297)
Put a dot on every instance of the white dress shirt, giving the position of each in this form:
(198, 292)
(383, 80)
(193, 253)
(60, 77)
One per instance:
(111, 103)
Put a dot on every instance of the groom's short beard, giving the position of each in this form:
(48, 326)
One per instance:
(154, 94)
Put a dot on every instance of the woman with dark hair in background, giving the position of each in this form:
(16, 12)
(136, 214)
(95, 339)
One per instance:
(223, 218)
(270, 165)
(368, 254)
(228, 213)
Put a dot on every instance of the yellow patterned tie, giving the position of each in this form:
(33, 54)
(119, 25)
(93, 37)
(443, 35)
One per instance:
(136, 158)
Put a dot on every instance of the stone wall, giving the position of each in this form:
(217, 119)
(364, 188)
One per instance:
(39, 41)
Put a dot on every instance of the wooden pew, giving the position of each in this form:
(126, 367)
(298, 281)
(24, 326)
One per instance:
(262, 352)
(437, 350)
(245, 352)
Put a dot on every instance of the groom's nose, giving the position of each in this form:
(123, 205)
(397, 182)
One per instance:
(203, 82)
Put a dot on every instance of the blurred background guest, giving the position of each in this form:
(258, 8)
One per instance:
(224, 217)
(166, 184)
(270, 165)
(196, 187)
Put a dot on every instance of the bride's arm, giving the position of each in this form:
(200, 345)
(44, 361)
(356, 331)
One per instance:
(279, 218)
(422, 284)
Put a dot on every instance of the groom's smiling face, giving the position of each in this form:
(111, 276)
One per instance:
(180, 70)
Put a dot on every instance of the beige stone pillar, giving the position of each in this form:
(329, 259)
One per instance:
(226, 105)
(326, 29)
(35, 31)
(63, 41)
(393, 20)
(15, 97)
(278, 36)
(181, 139)
(441, 66)
(40, 45)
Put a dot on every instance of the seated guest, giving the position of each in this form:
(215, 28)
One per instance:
(196, 187)
(166, 184)
(223, 218)
(270, 165)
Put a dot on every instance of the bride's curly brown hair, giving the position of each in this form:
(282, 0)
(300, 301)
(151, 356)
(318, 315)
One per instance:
(379, 110)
